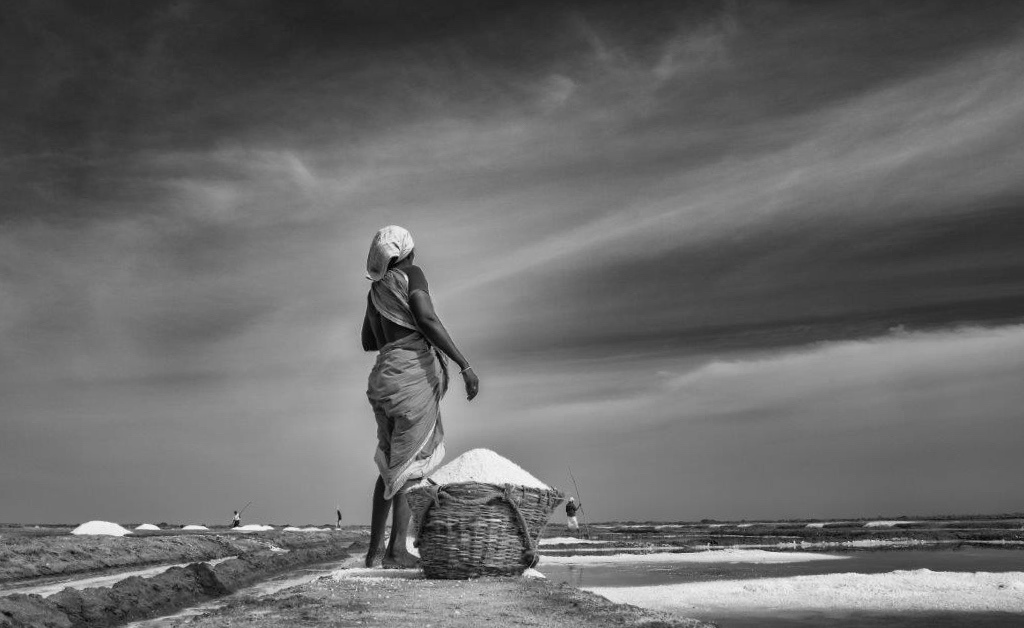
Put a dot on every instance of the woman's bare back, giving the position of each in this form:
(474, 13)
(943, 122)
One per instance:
(384, 331)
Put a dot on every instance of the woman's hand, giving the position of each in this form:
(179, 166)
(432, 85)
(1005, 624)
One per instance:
(472, 383)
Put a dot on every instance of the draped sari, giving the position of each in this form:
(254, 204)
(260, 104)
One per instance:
(405, 388)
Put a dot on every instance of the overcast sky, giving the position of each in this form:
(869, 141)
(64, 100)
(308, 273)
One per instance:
(725, 259)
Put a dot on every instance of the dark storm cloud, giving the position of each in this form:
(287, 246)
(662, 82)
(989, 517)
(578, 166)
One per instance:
(789, 284)
(92, 87)
(611, 200)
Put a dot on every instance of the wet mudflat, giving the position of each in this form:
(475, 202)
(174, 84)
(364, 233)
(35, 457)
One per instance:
(30, 556)
(46, 587)
(26, 558)
(139, 593)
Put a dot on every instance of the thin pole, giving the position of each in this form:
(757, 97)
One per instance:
(243, 508)
(586, 526)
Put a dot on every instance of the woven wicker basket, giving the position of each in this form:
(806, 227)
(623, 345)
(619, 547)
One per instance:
(467, 529)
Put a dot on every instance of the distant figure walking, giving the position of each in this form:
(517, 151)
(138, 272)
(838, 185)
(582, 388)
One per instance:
(236, 520)
(406, 385)
(570, 514)
(339, 519)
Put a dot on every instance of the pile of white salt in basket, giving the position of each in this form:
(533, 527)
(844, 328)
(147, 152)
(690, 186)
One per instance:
(486, 467)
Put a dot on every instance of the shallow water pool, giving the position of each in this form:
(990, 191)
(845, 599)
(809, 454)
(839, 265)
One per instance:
(863, 561)
(945, 559)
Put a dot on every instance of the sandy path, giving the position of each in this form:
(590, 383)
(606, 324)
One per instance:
(412, 602)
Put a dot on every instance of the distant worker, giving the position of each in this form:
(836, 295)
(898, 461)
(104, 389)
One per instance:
(570, 514)
(236, 520)
(339, 518)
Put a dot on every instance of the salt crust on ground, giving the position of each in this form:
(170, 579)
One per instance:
(569, 540)
(707, 556)
(886, 524)
(147, 526)
(635, 551)
(309, 529)
(660, 526)
(862, 543)
(918, 590)
(486, 467)
(103, 528)
(194, 527)
(873, 543)
(377, 573)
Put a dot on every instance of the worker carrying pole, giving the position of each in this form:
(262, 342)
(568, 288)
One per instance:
(572, 506)
(236, 519)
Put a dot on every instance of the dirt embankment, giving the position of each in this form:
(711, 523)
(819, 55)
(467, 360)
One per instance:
(415, 603)
(23, 558)
(139, 598)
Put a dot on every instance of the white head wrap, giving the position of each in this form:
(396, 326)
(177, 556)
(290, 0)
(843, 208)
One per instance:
(390, 242)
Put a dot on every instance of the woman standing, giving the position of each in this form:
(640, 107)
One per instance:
(406, 385)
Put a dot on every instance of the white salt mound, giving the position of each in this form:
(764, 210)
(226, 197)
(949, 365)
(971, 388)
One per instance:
(306, 529)
(486, 467)
(194, 527)
(569, 540)
(147, 526)
(104, 528)
(252, 527)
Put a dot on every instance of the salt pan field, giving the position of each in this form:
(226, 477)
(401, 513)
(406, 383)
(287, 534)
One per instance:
(740, 588)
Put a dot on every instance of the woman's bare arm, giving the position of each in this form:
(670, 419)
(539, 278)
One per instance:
(431, 327)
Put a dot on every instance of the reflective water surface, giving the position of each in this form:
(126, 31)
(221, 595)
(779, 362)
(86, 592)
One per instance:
(961, 559)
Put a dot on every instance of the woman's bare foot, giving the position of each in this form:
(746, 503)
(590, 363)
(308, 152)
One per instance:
(400, 560)
(375, 556)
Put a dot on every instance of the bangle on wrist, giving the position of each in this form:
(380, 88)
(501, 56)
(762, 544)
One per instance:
(468, 367)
